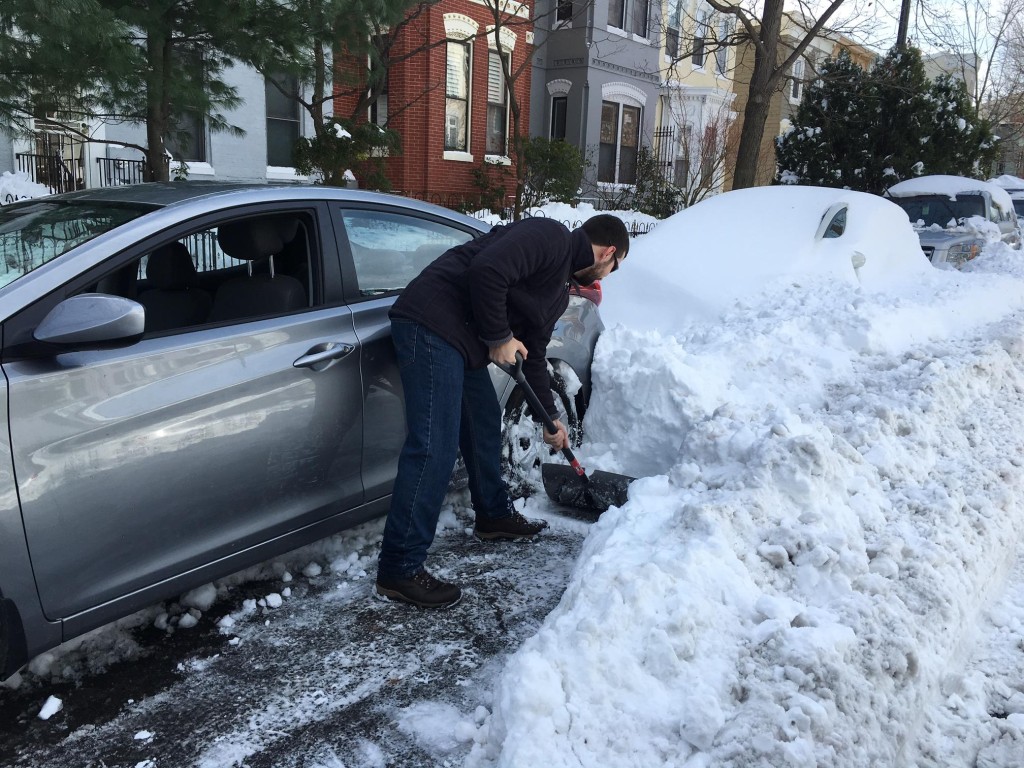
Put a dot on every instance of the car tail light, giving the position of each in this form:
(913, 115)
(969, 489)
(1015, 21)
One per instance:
(590, 292)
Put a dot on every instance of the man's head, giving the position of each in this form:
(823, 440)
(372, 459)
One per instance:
(610, 241)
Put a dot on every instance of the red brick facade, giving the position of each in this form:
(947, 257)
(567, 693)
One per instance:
(416, 102)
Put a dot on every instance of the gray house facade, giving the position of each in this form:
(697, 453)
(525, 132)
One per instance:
(271, 123)
(596, 83)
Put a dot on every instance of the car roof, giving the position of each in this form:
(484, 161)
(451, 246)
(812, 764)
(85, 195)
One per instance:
(223, 194)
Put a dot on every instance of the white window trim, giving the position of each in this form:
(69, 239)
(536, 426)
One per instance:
(194, 168)
(284, 173)
(454, 154)
(507, 7)
(460, 27)
(559, 87)
(508, 39)
(624, 93)
(800, 94)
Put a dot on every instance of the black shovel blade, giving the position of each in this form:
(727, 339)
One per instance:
(596, 493)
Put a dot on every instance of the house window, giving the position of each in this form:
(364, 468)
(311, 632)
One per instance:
(187, 141)
(497, 105)
(700, 37)
(640, 17)
(378, 75)
(559, 109)
(798, 80)
(722, 53)
(620, 142)
(617, 13)
(379, 106)
(282, 93)
(564, 10)
(456, 115)
(672, 32)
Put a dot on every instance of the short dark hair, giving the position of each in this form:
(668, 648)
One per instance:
(605, 229)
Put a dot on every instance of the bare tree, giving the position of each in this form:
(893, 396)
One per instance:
(699, 158)
(775, 50)
(986, 50)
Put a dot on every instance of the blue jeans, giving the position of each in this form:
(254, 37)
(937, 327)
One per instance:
(447, 407)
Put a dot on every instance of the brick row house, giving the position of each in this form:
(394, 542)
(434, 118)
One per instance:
(450, 103)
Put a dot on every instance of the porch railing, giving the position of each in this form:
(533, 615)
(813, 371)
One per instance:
(116, 172)
(53, 171)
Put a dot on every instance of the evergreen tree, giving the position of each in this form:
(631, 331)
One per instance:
(156, 63)
(961, 142)
(899, 113)
(868, 131)
(828, 142)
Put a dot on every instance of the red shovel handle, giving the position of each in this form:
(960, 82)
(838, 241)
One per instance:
(516, 372)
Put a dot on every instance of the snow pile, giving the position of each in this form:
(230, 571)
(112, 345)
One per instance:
(830, 498)
(18, 186)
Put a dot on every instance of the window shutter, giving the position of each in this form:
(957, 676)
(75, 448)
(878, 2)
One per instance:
(495, 81)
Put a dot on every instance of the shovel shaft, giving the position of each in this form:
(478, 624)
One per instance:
(516, 372)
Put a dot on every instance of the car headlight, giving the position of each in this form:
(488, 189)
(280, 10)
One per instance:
(965, 250)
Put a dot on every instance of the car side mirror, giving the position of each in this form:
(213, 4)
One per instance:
(93, 320)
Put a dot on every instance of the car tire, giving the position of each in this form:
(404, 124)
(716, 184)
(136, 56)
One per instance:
(523, 449)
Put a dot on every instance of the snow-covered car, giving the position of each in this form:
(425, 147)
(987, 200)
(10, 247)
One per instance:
(796, 231)
(198, 377)
(955, 217)
(1015, 186)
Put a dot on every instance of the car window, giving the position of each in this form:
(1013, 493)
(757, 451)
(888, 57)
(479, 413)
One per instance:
(390, 249)
(940, 210)
(1018, 206)
(31, 234)
(236, 270)
(837, 225)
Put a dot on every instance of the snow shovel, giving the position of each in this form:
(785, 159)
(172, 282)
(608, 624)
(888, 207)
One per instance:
(569, 485)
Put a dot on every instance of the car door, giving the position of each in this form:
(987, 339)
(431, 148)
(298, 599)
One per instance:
(383, 249)
(138, 464)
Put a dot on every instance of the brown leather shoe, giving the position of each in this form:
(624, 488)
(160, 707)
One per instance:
(513, 526)
(421, 589)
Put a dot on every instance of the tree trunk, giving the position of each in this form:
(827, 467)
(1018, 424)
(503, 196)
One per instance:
(763, 82)
(158, 55)
(904, 26)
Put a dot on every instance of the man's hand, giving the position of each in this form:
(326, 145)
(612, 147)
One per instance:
(559, 439)
(505, 354)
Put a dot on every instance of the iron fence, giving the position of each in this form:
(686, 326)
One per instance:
(116, 171)
(53, 171)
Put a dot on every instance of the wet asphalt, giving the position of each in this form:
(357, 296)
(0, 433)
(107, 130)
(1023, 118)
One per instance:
(321, 682)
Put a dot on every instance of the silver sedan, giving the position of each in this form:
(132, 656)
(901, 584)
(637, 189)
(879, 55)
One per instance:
(200, 377)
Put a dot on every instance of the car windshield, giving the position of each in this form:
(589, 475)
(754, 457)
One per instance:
(939, 209)
(31, 234)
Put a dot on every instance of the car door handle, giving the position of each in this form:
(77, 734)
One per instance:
(322, 353)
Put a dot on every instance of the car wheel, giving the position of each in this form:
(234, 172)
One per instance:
(523, 449)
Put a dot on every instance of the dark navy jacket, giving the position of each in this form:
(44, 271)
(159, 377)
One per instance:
(512, 281)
